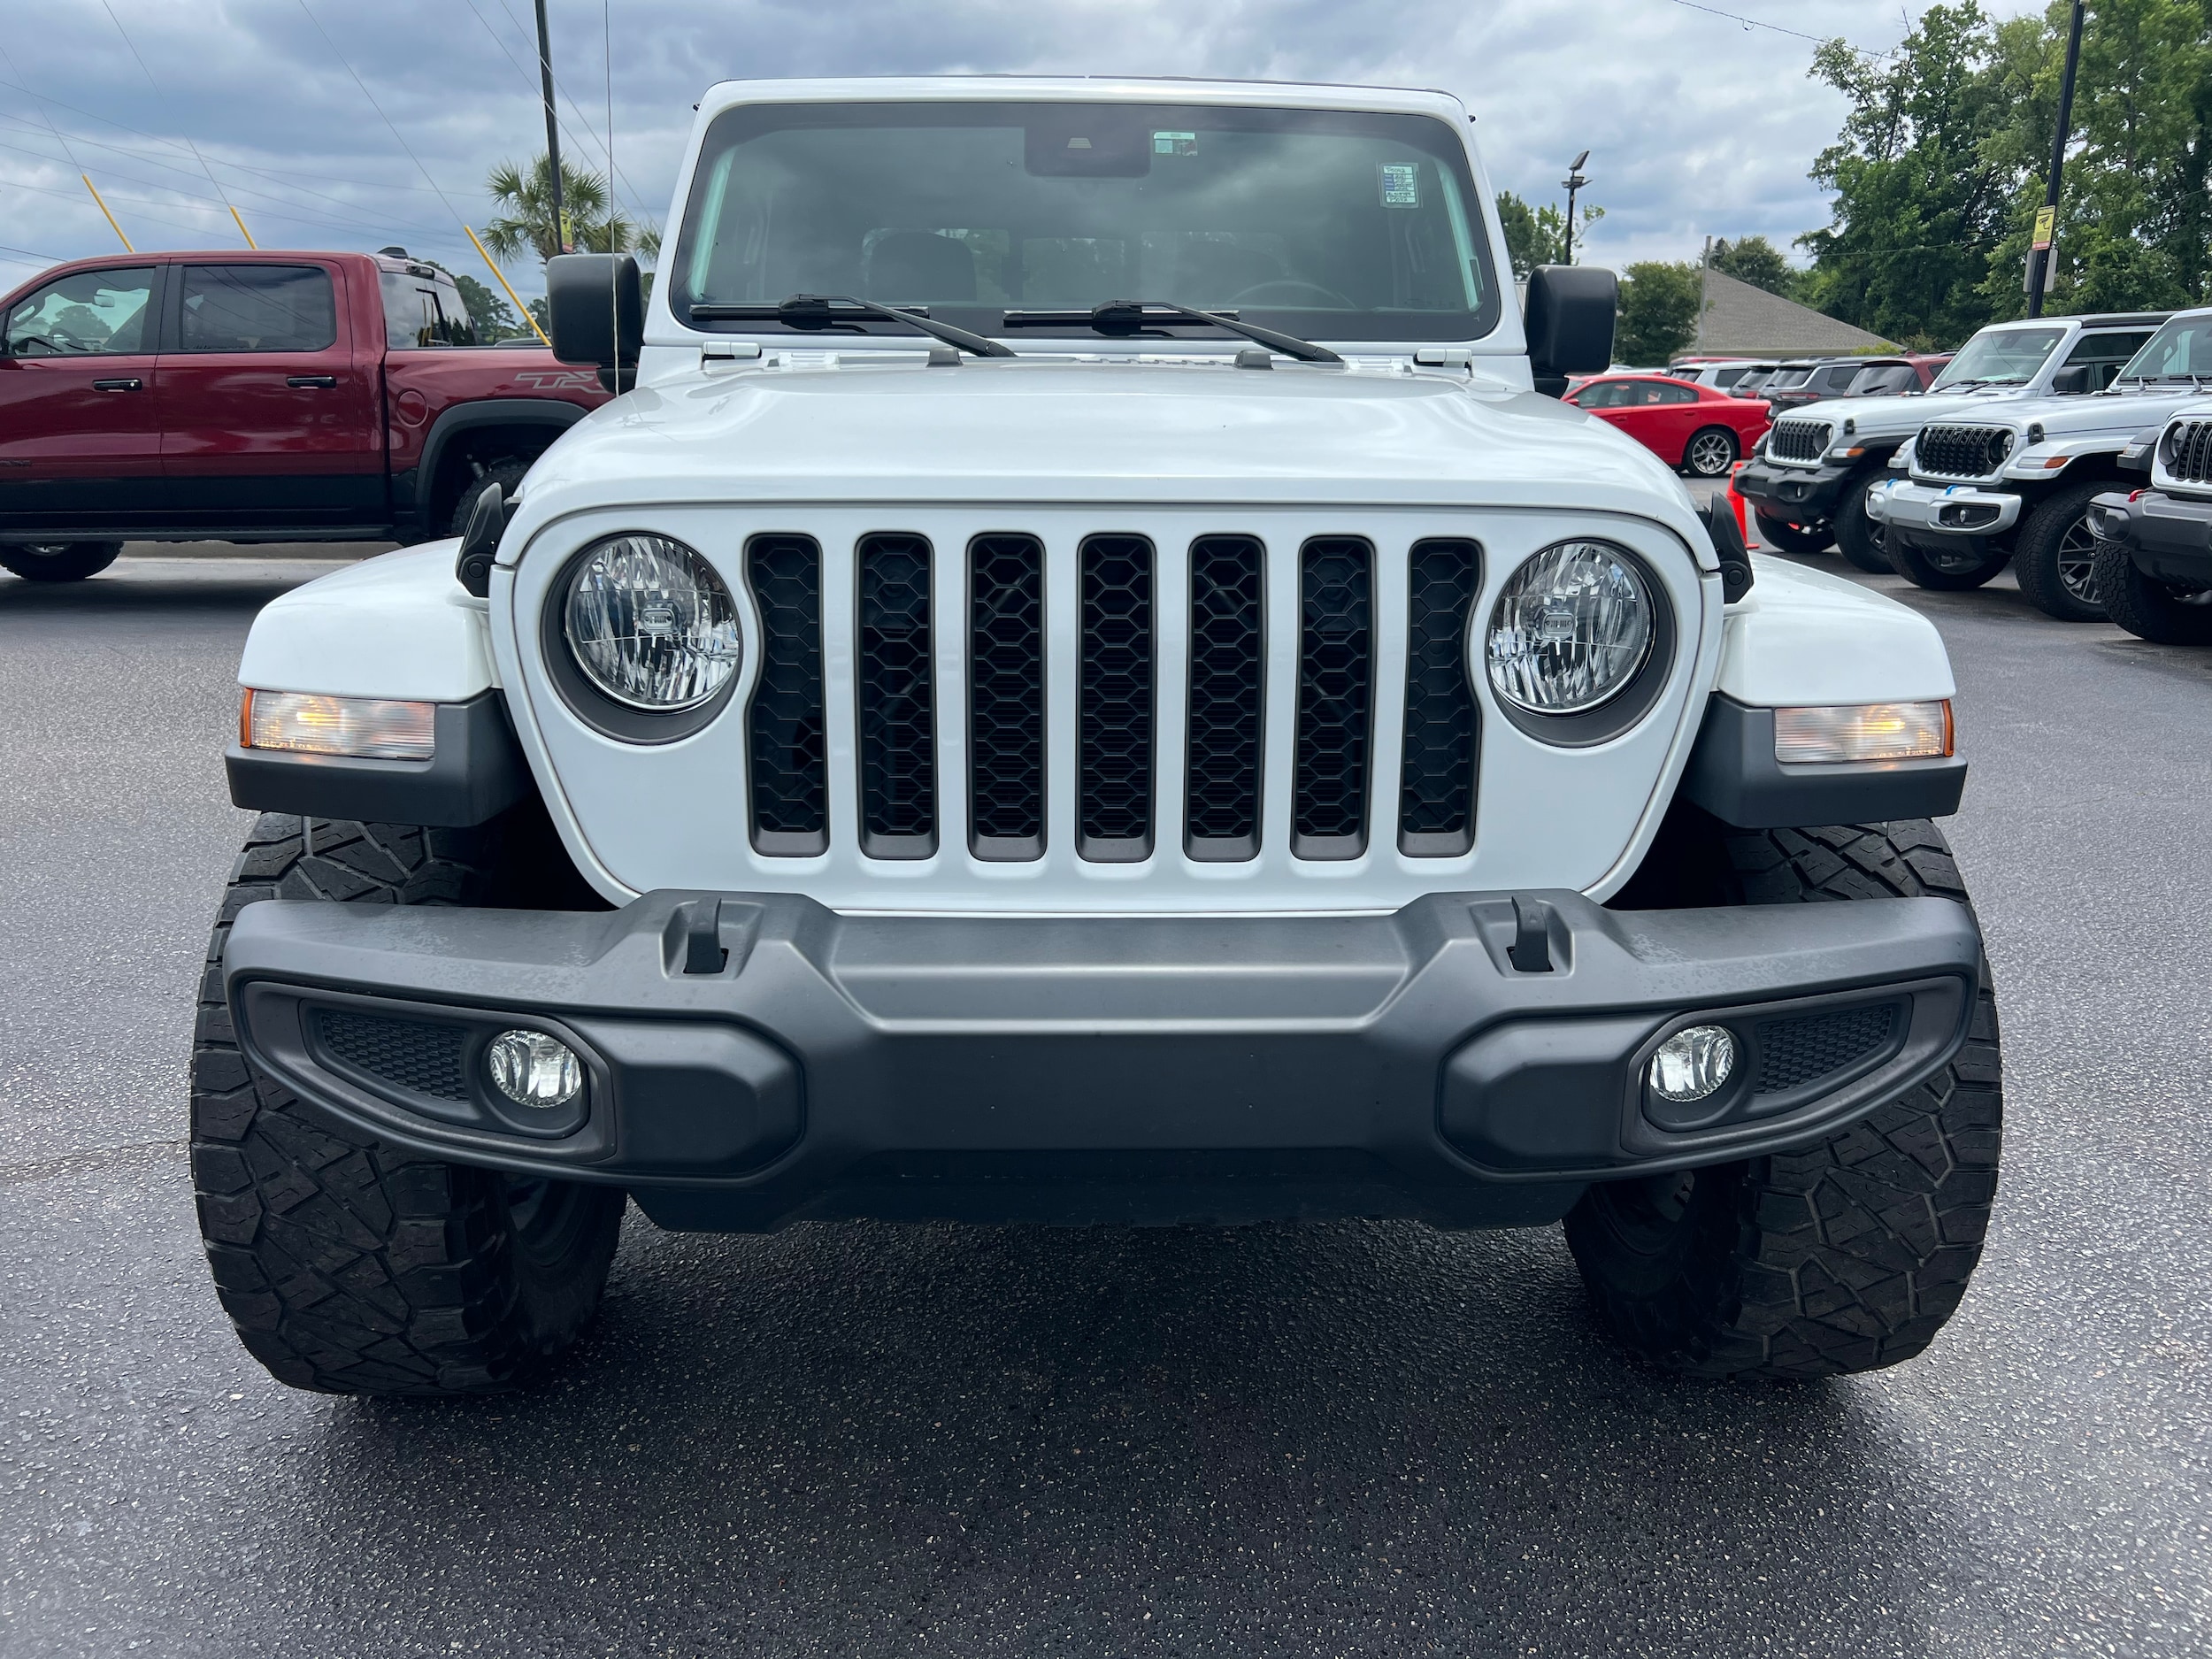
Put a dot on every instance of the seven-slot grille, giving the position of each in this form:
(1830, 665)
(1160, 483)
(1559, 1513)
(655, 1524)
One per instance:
(1961, 451)
(1119, 708)
(2188, 446)
(1799, 439)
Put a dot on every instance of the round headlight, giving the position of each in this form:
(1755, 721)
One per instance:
(651, 624)
(1570, 630)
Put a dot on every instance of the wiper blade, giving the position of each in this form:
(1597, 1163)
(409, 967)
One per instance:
(842, 311)
(1124, 318)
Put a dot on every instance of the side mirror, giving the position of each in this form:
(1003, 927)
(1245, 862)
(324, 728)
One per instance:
(2074, 381)
(1569, 317)
(597, 301)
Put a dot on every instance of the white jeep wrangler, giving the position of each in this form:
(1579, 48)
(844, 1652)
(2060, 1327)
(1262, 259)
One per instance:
(1088, 683)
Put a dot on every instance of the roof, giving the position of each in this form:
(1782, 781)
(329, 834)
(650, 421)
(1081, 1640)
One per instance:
(1740, 320)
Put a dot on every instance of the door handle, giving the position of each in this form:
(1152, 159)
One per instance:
(118, 386)
(326, 382)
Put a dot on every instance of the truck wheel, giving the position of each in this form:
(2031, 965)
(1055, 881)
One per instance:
(1945, 570)
(1795, 538)
(349, 1267)
(507, 475)
(2164, 613)
(1858, 538)
(1844, 1257)
(2055, 556)
(1711, 453)
(59, 561)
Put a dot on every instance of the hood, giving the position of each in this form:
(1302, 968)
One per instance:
(1901, 417)
(2117, 414)
(813, 427)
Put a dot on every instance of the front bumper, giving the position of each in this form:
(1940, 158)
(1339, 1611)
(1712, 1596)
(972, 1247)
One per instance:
(756, 1059)
(1944, 512)
(1795, 493)
(2166, 536)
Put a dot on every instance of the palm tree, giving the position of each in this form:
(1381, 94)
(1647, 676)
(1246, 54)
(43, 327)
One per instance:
(526, 224)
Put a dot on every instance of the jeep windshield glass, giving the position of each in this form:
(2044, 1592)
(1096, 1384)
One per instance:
(1999, 356)
(2180, 350)
(1329, 225)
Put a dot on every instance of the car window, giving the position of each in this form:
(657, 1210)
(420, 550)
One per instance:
(1600, 395)
(2182, 349)
(89, 313)
(1888, 381)
(1837, 376)
(2000, 356)
(423, 311)
(1782, 379)
(1725, 378)
(1672, 394)
(258, 308)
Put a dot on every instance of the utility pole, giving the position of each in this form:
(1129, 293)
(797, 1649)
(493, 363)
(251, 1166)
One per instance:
(553, 132)
(2047, 221)
(1573, 182)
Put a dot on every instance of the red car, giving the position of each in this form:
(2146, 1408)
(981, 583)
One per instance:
(1702, 431)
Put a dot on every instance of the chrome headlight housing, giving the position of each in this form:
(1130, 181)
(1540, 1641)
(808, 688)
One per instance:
(1572, 629)
(649, 624)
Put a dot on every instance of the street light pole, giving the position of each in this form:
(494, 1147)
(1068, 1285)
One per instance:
(552, 131)
(2046, 226)
(1573, 182)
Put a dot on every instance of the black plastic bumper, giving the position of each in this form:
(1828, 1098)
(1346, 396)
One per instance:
(2166, 536)
(1423, 1064)
(1796, 493)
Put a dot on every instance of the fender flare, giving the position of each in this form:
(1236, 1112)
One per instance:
(486, 411)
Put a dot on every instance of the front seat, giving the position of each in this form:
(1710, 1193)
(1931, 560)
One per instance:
(914, 267)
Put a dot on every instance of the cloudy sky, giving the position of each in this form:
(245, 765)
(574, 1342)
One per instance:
(1696, 124)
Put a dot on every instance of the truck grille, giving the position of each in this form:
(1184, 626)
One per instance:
(1961, 451)
(1799, 439)
(2188, 447)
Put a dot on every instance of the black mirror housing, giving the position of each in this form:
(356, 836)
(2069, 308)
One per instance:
(596, 303)
(2075, 380)
(1569, 319)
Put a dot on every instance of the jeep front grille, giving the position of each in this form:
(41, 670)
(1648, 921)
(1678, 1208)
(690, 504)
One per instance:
(1799, 439)
(1961, 451)
(898, 727)
(1228, 653)
(2188, 446)
(1335, 661)
(1006, 696)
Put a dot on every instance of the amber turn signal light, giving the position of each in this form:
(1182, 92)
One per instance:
(365, 728)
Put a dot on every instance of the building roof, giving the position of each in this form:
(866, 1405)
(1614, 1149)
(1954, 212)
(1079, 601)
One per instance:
(1743, 321)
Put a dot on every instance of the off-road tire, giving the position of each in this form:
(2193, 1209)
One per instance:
(2146, 607)
(1949, 573)
(1844, 1257)
(507, 475)
(1710, 452)
(58, 561)
(353, 1268)
(2055, 544)
(1795, 538)
(1858, 538)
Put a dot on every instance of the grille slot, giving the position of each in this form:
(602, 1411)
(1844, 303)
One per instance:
(789, 786)
(1006, 697)
(1796, 1051)
(1436, 793)
(1961, 451)
(1114, 725)
(1335, 697)
(898, 764)
(1799, 439)
(2189, 452)
(425, 1059)
(1228, 657)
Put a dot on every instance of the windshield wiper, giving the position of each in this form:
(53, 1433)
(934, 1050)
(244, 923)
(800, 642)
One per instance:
(840, 311)
(1124, 318)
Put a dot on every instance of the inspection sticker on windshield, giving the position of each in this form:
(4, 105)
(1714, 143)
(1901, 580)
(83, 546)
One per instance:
(1175, 143)
(1400, 183)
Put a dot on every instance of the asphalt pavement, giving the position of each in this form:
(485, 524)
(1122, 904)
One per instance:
(1328, 1439)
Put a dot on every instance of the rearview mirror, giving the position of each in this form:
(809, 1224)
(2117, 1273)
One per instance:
(1569, 317)
(597, 304)
(2074, 381)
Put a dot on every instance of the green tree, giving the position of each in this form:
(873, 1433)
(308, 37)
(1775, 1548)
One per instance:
(591, 223)
(1659, 310)
(1753, 259)
(493, 318)
(1537, 236)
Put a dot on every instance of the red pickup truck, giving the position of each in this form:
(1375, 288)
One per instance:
(257, 397)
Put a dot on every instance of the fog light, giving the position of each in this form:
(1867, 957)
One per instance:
(533, 1070)
(1693, 1063)
(369, 729)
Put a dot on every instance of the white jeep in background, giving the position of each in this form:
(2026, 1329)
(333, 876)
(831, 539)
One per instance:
(1088, 681)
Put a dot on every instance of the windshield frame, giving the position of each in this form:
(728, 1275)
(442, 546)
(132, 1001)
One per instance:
(1425, 128)
(2060, 337)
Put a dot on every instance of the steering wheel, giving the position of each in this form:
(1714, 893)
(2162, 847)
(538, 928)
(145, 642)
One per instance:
(1284, 292)
(16, 345)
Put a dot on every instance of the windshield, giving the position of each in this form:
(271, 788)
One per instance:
(2000, 356)
(1322, 223)
(1887, 379)
(2182, 347)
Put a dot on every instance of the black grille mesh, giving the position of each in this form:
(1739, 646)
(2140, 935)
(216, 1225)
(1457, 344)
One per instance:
(1006, 696)
(1228, 650)
(1335, 671)
(1114, 781)
(1961, 451)
(790, 797)
(898, 774)
(2188, 447)
(424, 1058)
(1799, 439)
(1436, 801)
(1795, 1051)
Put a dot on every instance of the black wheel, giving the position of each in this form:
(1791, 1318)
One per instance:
(1795, 538)
(2165, 613)
(352, 1268)
(1844, 1257)
(2055, 555)
(1858, 538)
(1711, 453)
(507, 475)
(59, 561)
(1946, 569)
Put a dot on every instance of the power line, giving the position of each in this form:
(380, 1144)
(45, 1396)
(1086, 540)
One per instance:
(194, 148)
(1760, 23)
(615, 180)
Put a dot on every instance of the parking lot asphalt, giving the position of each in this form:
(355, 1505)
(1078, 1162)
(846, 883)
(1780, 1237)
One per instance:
(1329, 1440)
